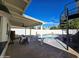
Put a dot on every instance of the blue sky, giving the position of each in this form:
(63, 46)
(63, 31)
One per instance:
(46, 10)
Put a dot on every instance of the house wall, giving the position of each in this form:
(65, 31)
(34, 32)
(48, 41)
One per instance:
(0, 29)
(4, 37)
(77, 3)
(5, 28)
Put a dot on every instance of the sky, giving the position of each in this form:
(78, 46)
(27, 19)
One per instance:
(46, 10)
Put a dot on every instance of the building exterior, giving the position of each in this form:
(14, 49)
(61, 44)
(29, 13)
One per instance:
(77, 3)
(11, 15)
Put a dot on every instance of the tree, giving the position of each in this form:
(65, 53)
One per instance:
(63, 24)
(54, 27)
(73, 24)
(32, 27)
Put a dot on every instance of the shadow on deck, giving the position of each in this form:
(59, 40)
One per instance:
(35, 50)
(73, 41)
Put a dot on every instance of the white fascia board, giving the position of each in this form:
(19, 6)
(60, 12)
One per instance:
(29, 17)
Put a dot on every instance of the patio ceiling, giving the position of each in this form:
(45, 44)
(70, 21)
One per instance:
(16, 8)
(21, 21)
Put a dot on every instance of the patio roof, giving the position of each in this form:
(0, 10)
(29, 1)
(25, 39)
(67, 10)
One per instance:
(17, 6)
(22, 21)
(16, 9)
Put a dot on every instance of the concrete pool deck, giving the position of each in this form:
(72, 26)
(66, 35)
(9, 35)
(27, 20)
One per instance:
(35, 50)
(60, 45)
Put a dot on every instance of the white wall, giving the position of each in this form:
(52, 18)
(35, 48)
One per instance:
(19, 31)
(34, 32)
(4, 29)
(0, 29)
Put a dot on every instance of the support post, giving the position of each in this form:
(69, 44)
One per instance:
(42, 35)
(25, 31)
(30, 33)
(66, 14)
(41, 30)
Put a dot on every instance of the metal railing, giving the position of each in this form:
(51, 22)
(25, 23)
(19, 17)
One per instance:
(74, 9)
(68, 11)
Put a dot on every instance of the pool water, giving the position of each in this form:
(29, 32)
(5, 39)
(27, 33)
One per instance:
(48, 37)
(53, 41)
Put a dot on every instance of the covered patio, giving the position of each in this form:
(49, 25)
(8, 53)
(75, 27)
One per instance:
(35, 50)
(13, 18)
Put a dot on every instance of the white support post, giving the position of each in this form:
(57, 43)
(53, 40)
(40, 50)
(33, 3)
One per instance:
(30, 33)
(41, 31)
(41, 34)
(25, 31)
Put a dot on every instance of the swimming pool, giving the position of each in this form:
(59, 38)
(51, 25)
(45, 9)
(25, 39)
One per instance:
(48, 37)
(53, 40)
